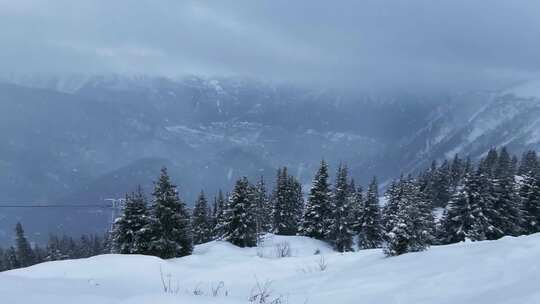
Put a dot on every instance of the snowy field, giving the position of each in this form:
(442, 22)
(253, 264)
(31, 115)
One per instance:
(503, 271)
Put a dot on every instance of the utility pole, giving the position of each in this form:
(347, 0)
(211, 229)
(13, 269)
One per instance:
(117, 205)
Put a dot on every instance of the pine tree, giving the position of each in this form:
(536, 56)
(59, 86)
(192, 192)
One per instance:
(457, 171)
(202, 232)
(85, 247)
(465, 216)
(68, 247)
(407, 219)
(483, 193)
(342, 213)
(11, 260)
(240, 224)
(25, 254)
(530, 196)
(39, 254)
(3, 264)
(297, 198)
(286, 204)
(490, 161)
(396, 228)
(53, 249)
(529, 163)
(221, 206)
(442, 182)
(263, 207)
(370, 234)
(356, 200)
(504, 211)
(317, 218)
(132, 231)
(170, 228)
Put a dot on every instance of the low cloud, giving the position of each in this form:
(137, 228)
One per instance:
(366, 44)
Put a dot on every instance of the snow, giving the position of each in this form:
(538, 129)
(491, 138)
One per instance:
(503, 271)
(529, 89)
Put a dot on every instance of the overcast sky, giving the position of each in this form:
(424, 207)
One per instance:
(454, 43)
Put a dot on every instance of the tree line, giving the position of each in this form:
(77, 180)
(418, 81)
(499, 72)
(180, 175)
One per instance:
(454, 201)
(23, 254)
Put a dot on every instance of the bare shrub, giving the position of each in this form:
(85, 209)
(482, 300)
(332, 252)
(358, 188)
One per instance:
(263, 294)
(260, 252)
(167, 283)
(197, 291)
(283, 249)
(322, 263)
(219, 289)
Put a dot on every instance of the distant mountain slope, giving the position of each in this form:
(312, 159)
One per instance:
(88, 138)
(56, 144)
(472, 124)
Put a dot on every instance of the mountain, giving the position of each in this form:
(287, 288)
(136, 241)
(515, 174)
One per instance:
(488, 272)
(471, 124)
(81, 140)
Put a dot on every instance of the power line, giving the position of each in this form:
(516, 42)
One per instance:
(33, 205)
(54, 206)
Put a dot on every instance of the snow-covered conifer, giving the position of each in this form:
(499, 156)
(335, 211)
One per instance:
(201, 225)
(170, 229)
(131, 233)
(370, 234)
(25, 254)
(317, 218)
(342, 213)
(240, 223)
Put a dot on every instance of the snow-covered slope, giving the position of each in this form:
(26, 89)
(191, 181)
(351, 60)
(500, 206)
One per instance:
(503, 271)
(471, 124)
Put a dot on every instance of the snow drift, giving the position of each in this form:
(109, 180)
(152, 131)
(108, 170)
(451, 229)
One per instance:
(503, 271)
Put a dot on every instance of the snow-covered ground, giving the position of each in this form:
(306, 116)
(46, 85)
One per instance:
(503, 271)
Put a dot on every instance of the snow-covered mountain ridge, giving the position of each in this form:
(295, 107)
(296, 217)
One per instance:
(106, 134)
(488, 272)
(470, 125)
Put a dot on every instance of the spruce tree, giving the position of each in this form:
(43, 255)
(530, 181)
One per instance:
(442, 183)
(202, 232)
(530, 192)
(170, 228)
(286, 204)
(483, 193)
(490, 161)
(221, 206)
(370, 234)
(132, 230)
(11, 260)
(528, 164)
(457, 171)
(317, 218)
(407, 219)
(85, 246)
(25, 254)
(342, 213)
(54, 252)
(356, 200)
(465, 216)
(3, 264)
(297, 198)
(504, 211)
(240, 223)
(263, 207)
(396, 219)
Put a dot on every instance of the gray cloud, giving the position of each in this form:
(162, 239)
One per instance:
(371, 43)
